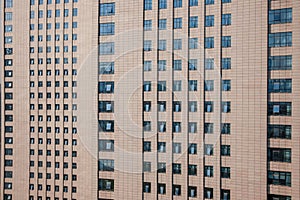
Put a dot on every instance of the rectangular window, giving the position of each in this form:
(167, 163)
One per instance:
(176, 106)
(208, 106)
(8, 16)
(279, 131)
(147, 65)
(192, 149)
(162, 45)
(162, 86)
(162, 4)
(147, 45)
(176, 127)
(280, 16)
(225, 172)
(177, 44)
(208, 128)
(226, 85)
(107, 48)
(225, 150)
(106, 165)
(193, 2)
(106, 126)
(193, 23)
(209, 2)
(161, 147)
(176, 190)
(226, 41)
(192, 85)
(161, 127)
(147, 25)
(162, 24)
(161, 167)
(280, 178)
(177, 23)
(106, 68)
(8, 3)
(147, 146)
(106, 184)
(226, 19)
(177, 65)
(192, 171)
(193, 63)
(208, 171)
(162, 65)
(106, 87)
(147, 126)
(280, 108)
(209, 20)
(193, 43)
(226, 128)
(177, 3)
(147, 86)
(279, 155)
(147, 167)
(106, 145)
(226, 106)
(209, 63)
(208, 149)
(8, 28)
(281, 39)
(280, 86)
(107, 9)
(226, 63)
(107, 29)
(176, 168)
(106, 106)
(147, 4)
(176, 85)
(209, 42)
(280, 62)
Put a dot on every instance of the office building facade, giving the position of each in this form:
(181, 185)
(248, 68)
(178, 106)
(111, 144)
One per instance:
(150, 99)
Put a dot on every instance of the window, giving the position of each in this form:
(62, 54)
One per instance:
(147, 25)
(192, 106)
(177, 23)
(177, 3)
(192, 171)
(225, 150)
(147, 4)
(226, 107)
(176, 85)
(193, 2)
(280, 131)
(193, 64)
(177, 44)
(208, 128)
(225, 194)
(107, 29)
(161, 167)
(280, 86)
(209, 42)
(281, 39)
(8, 28)
(161, 147)
(106, 145)
(193, 43)
(226, 85)
(177, 148)
(279, 178)
(225, 172)
(208, 149)
(280, 62)
(279, 197)
(226, 19)
(106, 87)
(161, 106)
(8, 16)
(226, 63)
(147, 45)
(147, 126)
(209, 85)
(162, 86)
(106, 126)
(106, 184)
(209, 2)
(209, 63)
(226, 127)
(208, 171)
(161, 126)
(176, 168)
(209, 20)
(147, 146)
(106, 106)
(107, 9)
(176, 106)
(192, 127)
(177, 65)
(208, 106)
(279, 155)
(162, 24)
(75, 11)
(162, 4)
(162, 45)
(107, 48)
(192, 85)
(208, 192)
(280, 108)
(8, 40)
(161, 188)
(147, 167)
(226, 41)
(106, 165)
(147, 66)
(147, 106)
(8, 3)
(147, 187)
(192, 149)
(106, 67)
(193, 22)
(147, 86)
(279, 16)
(176, 127)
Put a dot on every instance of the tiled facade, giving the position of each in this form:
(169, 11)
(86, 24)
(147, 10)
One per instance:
(150, 99)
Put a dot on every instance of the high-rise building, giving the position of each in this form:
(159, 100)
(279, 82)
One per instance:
(150, 99)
